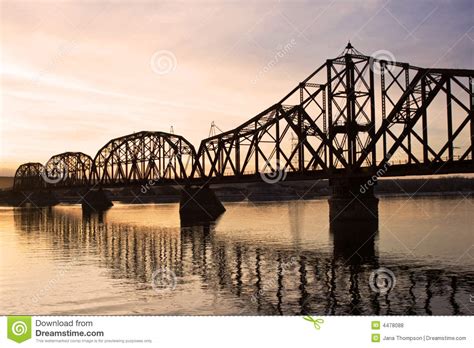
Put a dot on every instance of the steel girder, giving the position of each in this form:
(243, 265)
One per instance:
(143, 156)
(68, 169)
(415, 109)
(354, 113)
(258, 144)
(28, 177)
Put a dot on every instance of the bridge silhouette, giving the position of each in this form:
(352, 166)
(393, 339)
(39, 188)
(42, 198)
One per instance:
(354, 119)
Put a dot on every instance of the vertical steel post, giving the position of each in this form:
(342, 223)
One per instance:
(329, 113)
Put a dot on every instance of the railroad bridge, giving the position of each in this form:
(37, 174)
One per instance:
(352, 120)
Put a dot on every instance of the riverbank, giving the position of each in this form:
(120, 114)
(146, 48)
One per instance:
(282, 191)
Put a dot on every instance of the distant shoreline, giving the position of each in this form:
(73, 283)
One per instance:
(399, 187)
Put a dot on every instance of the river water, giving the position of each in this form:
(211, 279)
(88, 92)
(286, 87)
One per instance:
(257, 259)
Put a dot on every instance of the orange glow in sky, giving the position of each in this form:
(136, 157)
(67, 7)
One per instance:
(76, 74)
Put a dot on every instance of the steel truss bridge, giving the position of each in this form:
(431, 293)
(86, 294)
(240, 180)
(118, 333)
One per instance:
(355, 116)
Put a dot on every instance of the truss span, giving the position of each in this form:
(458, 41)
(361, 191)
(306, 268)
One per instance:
(143, 156)
(68, 169)
(354, 115)
(28, 176)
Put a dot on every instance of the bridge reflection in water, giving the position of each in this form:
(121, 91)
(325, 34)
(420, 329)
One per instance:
(264, 279)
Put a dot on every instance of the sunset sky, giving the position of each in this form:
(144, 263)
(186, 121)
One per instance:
(76, 74)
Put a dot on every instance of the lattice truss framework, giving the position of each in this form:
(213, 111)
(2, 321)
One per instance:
(68, 169)
(143, 156)
(28, 176)
(354, 113)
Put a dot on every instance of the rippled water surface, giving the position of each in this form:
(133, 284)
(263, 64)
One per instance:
(265, 258)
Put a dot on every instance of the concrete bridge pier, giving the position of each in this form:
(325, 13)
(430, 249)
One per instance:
(354, 241)
(44, 198)
(199, 204)
(353, 199)
(96, 201)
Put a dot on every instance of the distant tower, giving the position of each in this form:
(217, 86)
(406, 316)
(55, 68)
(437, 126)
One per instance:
(214, 130)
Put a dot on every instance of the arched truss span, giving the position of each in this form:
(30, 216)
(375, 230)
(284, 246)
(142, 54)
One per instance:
(144, 156)
(68, 169)
(28, 176)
